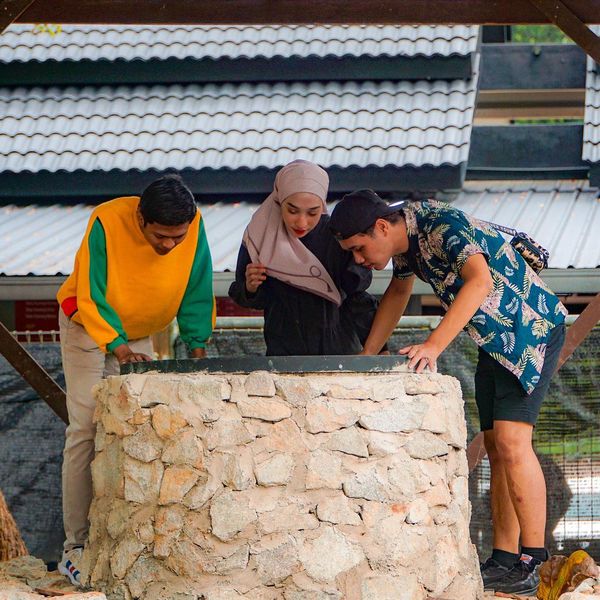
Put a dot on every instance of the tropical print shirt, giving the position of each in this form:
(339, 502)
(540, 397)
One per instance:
(513, 323)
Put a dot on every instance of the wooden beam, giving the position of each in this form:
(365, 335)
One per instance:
(243, 12)
(11, 10)
(571, 24)
(530, 104)
(33, 373)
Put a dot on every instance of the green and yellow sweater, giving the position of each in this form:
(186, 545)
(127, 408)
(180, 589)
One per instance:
(121, 289)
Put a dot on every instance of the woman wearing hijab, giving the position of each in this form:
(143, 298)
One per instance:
(291, 266)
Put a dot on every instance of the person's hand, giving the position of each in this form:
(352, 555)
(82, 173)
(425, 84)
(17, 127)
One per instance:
(199, 353)
(421, 356)
(255, 275)
(126, 355)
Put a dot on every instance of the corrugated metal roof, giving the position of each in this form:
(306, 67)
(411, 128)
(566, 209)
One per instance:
(43, 240)
(591, 128)
(563, 216)
(236, 126)
(96, 42)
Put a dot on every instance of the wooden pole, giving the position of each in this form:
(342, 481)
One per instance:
(564, 18)
(11, 10)
(33, 373)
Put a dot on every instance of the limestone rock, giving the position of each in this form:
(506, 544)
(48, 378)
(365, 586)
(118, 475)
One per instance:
(403, 586)
(294, 390)
(260, 383)
(386, 388)
(442, 570)
(398, 416)
(124, 555)
(349, 441)
(396, 544)
(142, 480)
(229, 430)
(276, 560)
(331, 414)
(287, 518)
(357, 389)
(202, 399)
(435, 416)
(329, 554)
(337, 510)
(266, 409)
(418, 512)
(275, 470)
(144, 444)
(423, 444)
(370, 484)
(177, 481)
(167, 421)
(422, 384)
(239, 469)
(185, 448)
(145, 571)
(324, 471)
(229, 515)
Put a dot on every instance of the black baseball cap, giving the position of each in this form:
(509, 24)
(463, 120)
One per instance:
(358, 211)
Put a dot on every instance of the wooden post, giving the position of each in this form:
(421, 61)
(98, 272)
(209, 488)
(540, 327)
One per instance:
(33, 374)
(564, 18)
(11, 10)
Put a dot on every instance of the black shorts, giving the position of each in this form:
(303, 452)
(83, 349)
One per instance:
(499, 394)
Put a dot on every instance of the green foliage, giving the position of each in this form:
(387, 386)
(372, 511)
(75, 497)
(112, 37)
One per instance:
(539, 34)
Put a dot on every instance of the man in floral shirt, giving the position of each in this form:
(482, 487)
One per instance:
(488, 289)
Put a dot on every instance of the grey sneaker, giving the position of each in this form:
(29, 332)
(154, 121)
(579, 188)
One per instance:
(523, 578)
(492, 571)
(69, 565)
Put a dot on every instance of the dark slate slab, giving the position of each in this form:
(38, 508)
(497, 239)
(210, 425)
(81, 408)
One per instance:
(276, 364)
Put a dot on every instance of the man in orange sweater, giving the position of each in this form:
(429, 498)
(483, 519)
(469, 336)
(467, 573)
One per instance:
(143, 262)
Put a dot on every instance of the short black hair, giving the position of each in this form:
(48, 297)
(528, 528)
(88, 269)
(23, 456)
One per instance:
(167, 201)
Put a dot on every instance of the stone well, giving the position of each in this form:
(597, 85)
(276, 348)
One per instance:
(321, 486)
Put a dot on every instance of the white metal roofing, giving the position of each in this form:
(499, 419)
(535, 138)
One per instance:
(234, 126)
(97, 42)
(564, 216)
(591, 126)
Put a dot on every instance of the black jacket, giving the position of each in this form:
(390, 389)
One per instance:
(301, 323)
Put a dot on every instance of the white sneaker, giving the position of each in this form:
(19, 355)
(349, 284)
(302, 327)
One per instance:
(68, 565)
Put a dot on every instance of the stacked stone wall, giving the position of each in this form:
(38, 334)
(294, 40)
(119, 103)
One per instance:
(264, 486)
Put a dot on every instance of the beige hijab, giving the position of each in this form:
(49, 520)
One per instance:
(268, 241)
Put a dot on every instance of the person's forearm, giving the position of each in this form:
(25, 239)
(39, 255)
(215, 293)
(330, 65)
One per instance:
(465, 305)
(391, 308)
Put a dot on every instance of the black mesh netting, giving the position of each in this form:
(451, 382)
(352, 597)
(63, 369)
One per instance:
(31, 440)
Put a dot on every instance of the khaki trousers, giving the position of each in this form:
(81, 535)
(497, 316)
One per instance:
(84, 365)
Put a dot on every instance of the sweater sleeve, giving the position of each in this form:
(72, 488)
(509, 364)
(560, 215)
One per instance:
(99, 318)
(238, 292)
(197, 312)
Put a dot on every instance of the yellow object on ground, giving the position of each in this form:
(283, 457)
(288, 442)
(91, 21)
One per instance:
(560, 574)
